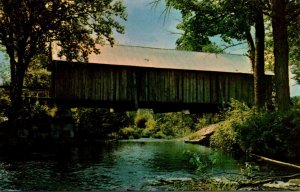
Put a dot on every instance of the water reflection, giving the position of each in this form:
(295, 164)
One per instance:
(123, 165)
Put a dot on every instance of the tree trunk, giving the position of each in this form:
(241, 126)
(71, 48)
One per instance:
(281, 50)
(259, 67)
(17, 79)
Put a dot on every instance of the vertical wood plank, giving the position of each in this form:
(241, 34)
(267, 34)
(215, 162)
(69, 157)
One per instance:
(206, 82)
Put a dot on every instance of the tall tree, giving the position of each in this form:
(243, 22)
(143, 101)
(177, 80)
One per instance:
(259, 66)
(28, 26)
(283, 13)
(294, 42)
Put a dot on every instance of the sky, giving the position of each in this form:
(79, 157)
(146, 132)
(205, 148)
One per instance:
(150, 27)
(147, 26)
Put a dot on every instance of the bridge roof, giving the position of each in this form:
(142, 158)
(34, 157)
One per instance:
(121, 55)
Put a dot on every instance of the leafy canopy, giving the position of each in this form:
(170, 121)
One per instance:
(202, 19)
(77, 26)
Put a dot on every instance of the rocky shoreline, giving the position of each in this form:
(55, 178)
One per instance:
(224, 184)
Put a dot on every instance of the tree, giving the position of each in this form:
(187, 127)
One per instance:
(283, 13)
(28, 26)
(38, 76)
(231, 19)
(294, 42)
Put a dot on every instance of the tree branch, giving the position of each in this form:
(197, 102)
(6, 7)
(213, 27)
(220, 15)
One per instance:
(233, 45)
(276, 161)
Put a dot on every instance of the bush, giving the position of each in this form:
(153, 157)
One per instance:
(4, 103)
(40, 111)
(225, 137)
(164, 125)
(37, 78)
(130, 133)
(273, 134)
(208, 119)
(176, 124)
(144, 119)
(98, 123)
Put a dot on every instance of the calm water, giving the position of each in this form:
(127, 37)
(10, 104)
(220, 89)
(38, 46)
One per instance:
(125, 165)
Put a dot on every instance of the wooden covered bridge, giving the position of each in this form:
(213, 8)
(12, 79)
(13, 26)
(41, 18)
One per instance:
(128, 77)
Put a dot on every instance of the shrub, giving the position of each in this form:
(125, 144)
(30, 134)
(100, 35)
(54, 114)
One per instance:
(209, 118)
(4, 103)
(37, 78)
(98, 123)
(40, 111)
(176, 124)
(274, 134)
(144, 119)
(225, 137)
(128, 133)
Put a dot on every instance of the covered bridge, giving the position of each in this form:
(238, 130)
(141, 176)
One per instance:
(128, 77)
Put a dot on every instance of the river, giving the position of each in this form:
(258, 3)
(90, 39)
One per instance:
(123, 165)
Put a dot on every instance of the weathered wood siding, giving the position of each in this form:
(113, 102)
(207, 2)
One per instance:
(143, 86)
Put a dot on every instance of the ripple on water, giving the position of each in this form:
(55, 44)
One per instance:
(133, 165)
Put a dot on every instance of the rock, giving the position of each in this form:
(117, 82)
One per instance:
(295, 181)
(282, 185)
(202, 136)
(173, 180)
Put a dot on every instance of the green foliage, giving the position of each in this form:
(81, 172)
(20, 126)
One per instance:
(37, 78)
(200, 162)
(294, 43)
(225, 138)
(4, 104)
(144, 119)
(204, 19)
(175, 124)
(143, 125)
(130, 133)
(98, 123)
(208, 119)
(164, 125)
(212, 48)
(37, 75)
(248, 169)
(274, 134)
(295, 101)
(76, 26)
(40, 111)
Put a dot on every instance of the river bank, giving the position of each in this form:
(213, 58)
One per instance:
(224, 184)
(284, 182)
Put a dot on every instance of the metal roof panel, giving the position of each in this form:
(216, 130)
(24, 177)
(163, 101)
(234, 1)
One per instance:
(121, 55)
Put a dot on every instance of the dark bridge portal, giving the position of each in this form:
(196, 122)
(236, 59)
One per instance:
(126, 77)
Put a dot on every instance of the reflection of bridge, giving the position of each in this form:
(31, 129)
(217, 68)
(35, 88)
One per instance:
(126, 77)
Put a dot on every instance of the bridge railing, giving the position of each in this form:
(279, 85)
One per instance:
(31, 92)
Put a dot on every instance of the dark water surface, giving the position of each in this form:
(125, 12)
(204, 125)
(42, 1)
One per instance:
(124, 165)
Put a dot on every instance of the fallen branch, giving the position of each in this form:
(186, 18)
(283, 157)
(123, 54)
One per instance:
(270, 179)
(276, 161)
